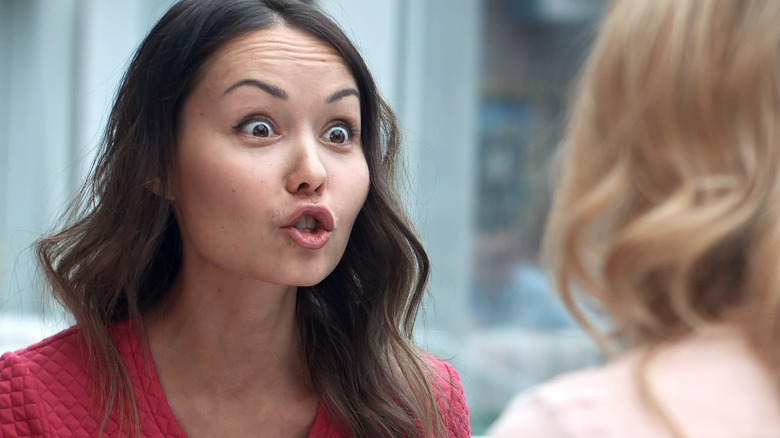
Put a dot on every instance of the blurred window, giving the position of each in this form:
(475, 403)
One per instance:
(531, 52)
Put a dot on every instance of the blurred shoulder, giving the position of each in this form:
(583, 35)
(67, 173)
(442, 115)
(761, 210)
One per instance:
(709, 374)
(576, 404)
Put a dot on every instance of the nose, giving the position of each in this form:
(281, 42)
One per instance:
(307, 174)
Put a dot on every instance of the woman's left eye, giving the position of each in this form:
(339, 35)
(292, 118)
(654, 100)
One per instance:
(337, 134)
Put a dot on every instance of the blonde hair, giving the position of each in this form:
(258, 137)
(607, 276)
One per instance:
(667, 210)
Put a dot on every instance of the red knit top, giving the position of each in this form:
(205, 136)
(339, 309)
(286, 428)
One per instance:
(44, 392)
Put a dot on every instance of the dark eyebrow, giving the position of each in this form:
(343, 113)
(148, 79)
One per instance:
(273, 90)
(342, 93)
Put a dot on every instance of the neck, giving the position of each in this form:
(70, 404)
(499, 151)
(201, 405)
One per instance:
(238, 338)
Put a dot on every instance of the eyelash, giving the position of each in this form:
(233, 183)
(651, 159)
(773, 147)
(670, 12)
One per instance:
(251, 119)
(352, 128)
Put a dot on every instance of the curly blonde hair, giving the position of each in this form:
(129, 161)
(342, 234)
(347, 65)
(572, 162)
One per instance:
(667, 210)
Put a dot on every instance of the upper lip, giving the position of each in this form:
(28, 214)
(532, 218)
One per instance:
(320, 212)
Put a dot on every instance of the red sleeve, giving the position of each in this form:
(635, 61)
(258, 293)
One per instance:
(20, 412)
(451, 400)
(458, 413)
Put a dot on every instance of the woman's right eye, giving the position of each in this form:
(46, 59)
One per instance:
(258, 129)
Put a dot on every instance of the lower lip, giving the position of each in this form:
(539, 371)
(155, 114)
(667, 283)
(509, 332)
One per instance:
(315, 240)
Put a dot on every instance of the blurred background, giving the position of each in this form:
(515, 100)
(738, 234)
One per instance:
(480, 88)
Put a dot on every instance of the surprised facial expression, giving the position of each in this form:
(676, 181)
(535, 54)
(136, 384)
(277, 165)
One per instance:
(269, 173)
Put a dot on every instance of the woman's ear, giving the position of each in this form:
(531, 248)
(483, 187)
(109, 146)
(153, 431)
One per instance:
(155, 186)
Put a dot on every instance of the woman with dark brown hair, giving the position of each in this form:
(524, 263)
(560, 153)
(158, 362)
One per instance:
(239, 263)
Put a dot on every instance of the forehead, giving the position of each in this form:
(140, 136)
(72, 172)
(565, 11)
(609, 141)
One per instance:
(275, 50)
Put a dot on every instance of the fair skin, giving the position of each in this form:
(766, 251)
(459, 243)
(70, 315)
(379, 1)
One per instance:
(269, 178)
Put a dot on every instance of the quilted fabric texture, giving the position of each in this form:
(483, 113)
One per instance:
(44, 393)
(451, 400)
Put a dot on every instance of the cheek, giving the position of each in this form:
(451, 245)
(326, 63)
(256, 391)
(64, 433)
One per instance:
(208, 191)
(352, 189)
(360, 183)
(196, 181)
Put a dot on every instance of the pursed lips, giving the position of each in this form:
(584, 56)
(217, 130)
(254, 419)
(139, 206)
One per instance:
(311, 217)
(310, 225)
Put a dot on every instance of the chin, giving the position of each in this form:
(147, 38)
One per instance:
(316, 273)
(306, 274)
(311, 280)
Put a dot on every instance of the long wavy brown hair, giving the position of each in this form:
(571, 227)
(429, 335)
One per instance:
(667, 210)
(120, 250)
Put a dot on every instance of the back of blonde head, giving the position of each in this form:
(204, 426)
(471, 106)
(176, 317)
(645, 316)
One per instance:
(667, 212)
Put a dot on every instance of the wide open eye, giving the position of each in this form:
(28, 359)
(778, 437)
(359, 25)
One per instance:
(258, 128)
(337, 134)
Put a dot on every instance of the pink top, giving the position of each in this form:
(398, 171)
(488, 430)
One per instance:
(709, 384)
(44, 392)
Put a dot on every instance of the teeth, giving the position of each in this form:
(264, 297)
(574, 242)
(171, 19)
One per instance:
(306, 223)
